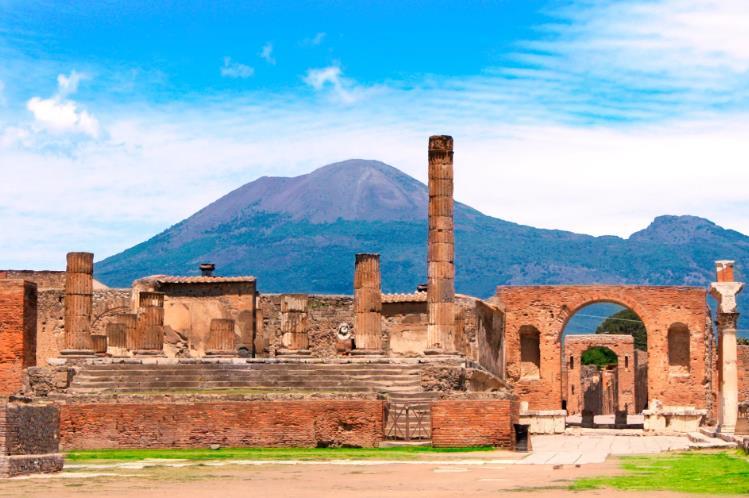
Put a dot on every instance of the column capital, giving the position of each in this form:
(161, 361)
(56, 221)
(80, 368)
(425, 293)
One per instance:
(725, 293)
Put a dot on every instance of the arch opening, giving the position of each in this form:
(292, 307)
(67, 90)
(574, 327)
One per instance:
(604, 366)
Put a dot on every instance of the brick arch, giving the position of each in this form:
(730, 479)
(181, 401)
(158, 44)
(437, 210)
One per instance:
(632, 306)
(549, 308)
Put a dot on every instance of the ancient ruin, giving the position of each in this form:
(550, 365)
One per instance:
(255, 369)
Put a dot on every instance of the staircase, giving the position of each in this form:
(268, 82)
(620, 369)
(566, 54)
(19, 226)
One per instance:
(320, 377)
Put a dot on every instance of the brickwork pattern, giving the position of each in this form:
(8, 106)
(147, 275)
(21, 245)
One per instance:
(304, 423)
(742, 367)
(18, 302)
(460, 423)
(548, 308)
(29, 439)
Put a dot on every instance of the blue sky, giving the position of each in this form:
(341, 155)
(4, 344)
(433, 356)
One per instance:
(118, 119)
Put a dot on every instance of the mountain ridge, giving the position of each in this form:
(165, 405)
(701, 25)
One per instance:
(300, 234)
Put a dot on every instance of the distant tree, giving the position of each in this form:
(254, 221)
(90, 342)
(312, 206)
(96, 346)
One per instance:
(743, 341)
(626, 321)
(599, 356)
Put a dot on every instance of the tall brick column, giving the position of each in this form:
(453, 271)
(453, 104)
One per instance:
(367, 304)
(441, 248)
(725, 291)
(18, 310)
(150, 335)
(79, 288)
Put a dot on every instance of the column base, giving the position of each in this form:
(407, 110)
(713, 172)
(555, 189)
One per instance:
(367, 352)
(225, 354)
(148, 352)
(78, 353)
(293, 352)
(440, 352)
(726, 429)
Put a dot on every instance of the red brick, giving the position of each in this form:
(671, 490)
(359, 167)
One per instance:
(461, 423)
(17, 332)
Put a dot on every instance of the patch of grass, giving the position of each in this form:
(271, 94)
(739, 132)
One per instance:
(397, 453)
(721, 473)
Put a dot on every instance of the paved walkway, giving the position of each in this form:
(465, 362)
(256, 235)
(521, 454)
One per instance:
(584, 449)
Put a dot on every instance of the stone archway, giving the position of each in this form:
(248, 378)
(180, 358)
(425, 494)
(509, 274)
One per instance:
(548, 308)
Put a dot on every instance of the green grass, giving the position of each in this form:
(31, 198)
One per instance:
(397, 453)
(722, 473)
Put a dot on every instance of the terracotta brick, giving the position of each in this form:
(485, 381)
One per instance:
(303, 423)
(461, 423)
(17, 332)
(548, 308)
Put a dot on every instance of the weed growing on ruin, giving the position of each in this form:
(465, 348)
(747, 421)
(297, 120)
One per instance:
(708, 473)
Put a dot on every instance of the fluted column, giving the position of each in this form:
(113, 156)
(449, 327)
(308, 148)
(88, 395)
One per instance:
(221, 338)
(78, 303)
(367, 304)
(130, 322)
(150, 335)
(294, 338)
(725, 291)
(441, 248)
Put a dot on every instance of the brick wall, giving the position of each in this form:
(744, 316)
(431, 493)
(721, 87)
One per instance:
(460, 423)
(17, 332)
(304, 423)
(547, 309)
(742, 365)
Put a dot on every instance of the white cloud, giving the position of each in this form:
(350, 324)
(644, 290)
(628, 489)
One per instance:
(315, 40)
(332, 77)
(267, 53)
(232, 69)
(60, 115)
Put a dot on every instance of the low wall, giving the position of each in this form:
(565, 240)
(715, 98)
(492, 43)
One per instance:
(29, 439)
(459, 423)
(303, 423)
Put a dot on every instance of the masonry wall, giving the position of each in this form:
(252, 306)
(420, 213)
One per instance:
(28, 439)
(304, 423)
(108, 304)
(18, 301)
(405, 328)
(461, 423)
(547, 308)
(742, 366)
(490, 338)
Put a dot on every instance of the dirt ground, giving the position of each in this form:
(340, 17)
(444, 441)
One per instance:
(320, 480)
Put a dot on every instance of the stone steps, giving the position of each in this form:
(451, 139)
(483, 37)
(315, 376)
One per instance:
(698, 440)
(124, 377)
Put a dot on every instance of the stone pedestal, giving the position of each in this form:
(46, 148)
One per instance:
(78, 304)
(441, 248)
(367, 305)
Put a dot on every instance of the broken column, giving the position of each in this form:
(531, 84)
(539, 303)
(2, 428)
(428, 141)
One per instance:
(725, 291)
(116, 338)
(150, 326)
(294, 339)
(130, 322)
(79, 282)
(221, 338)
(367, 304)
(441, 248)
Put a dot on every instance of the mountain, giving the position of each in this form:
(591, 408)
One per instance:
(300, 235)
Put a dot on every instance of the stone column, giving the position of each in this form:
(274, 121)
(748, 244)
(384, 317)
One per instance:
(222, 341)
(441, 248)
(116, 338)
(725, 291)
(367, 304)
(150, 334)
(130, 321)
(79, 283)
(294, 338)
